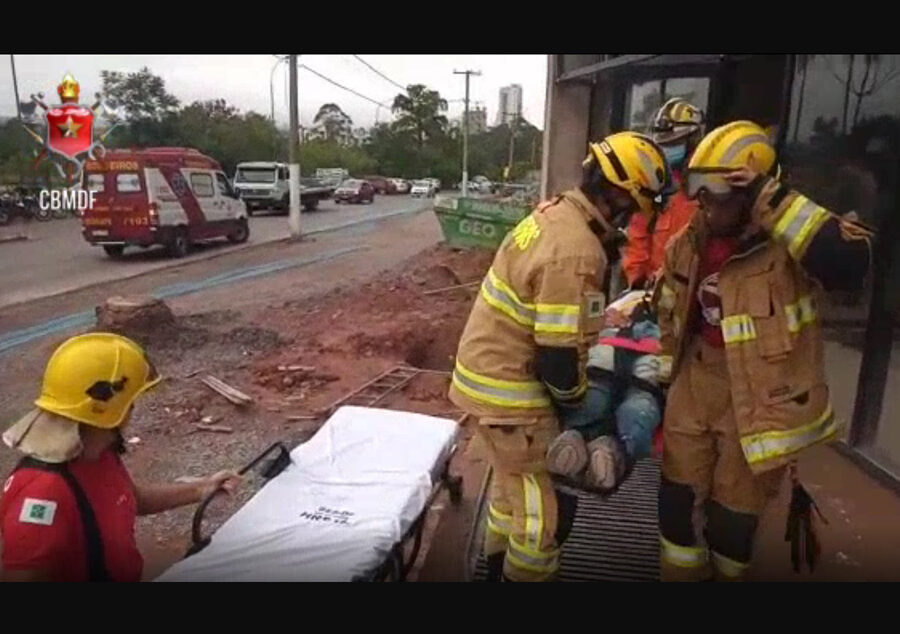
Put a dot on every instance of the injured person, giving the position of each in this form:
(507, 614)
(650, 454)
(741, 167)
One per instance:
(614, 424)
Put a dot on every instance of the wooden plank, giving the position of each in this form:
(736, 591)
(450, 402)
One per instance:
(231, 394)
(221, 429)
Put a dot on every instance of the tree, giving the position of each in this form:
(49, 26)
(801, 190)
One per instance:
(142, 104)
(872, 81)
(140, 95)
(419, 114)
(803, 62)
(333, 124)
(220, 130)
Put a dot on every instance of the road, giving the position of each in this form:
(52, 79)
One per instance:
(56, 259)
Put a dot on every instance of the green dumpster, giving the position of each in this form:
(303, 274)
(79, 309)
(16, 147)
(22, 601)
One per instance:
(474, 222)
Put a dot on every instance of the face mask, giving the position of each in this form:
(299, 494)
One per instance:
(675, 155)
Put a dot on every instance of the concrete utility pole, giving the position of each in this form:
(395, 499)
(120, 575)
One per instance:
(465, 160)
(12, 63)
(293, 159)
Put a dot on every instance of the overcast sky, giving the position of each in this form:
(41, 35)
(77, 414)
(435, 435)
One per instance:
(243, 80)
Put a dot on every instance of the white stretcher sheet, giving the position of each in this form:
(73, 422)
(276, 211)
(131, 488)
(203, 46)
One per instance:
(350, 494)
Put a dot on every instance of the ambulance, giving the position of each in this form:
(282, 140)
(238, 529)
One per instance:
(169, 196)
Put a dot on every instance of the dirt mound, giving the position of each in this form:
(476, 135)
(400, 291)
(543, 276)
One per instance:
(436, 276)
(252, 337)
(284, 378)
(211, 319)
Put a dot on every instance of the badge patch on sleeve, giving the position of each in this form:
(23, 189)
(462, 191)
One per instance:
(38, 512)
(596, 302)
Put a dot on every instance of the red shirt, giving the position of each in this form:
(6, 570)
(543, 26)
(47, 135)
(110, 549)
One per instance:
(42, 529)
(709, 318)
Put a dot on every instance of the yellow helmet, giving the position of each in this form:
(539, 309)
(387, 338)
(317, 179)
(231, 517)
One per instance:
(729, 147)
(675, 120)
(95, 378)
(634, 162)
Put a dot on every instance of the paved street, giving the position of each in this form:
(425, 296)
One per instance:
(56, 258)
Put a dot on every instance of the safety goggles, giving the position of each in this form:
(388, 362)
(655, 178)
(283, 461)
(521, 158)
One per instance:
(711, 179)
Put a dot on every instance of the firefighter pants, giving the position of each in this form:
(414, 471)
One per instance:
(522, 514)
(709, 500)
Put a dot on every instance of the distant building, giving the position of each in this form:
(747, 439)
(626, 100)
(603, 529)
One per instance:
(510, 105)
(477, 120)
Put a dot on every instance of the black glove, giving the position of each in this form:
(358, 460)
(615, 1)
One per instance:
(800, 530)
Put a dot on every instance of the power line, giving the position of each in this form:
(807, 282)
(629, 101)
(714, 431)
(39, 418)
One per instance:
(379, 73)
(342, 87)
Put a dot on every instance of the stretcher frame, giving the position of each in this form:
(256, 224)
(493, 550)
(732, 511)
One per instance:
(397, 564)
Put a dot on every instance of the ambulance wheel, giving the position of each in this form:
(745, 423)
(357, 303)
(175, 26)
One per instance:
(241, 232)
(179, 244)
(114, 251)
(42, 214)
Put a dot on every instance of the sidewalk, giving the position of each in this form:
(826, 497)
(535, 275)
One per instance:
(858, 544)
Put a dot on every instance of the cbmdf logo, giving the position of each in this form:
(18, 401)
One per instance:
(69, 131)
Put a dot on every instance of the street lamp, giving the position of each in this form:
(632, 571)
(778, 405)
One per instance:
(272, 89)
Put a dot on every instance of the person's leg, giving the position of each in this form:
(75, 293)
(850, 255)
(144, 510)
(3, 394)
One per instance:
(689, 457)
(567, 454)
(637, 418)
(738, 499)
(499, 521)
(517, 456)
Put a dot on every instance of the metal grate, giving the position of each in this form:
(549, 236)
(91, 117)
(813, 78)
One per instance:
(614, 538)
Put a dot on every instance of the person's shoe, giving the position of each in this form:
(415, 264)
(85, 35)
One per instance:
(567, 454)
(606, 463)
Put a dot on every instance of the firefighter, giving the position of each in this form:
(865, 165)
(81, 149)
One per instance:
(742, 343)
(677, 127)
(68, 510)
(523, 352)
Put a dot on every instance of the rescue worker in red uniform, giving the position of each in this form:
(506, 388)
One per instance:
(68, 510)
(741, 341)
(677, 127)
(522, 357)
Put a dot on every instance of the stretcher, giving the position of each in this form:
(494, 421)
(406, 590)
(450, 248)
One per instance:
(342, 506)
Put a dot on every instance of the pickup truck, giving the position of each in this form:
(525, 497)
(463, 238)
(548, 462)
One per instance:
(266, 185)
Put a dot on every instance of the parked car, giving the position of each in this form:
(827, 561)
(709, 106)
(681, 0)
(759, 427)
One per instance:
(382, 185)
(403, 186)
(477, 187)
(354, 191)
(422, 188)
